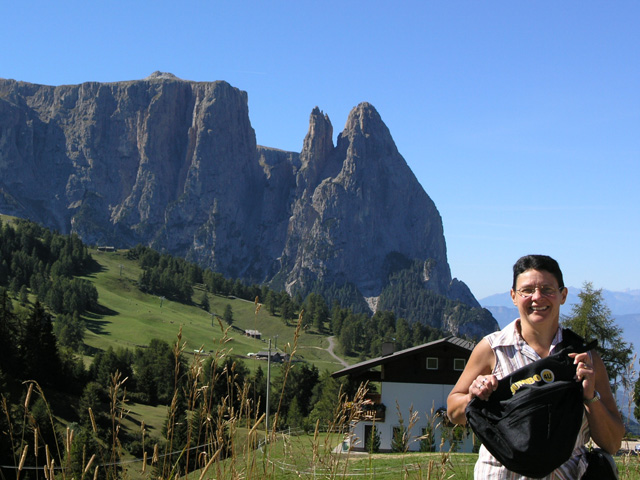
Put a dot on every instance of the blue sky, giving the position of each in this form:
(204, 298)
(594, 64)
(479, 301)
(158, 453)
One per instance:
(521, 119)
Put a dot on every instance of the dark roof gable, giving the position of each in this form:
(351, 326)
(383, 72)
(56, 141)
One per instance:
(361, 367)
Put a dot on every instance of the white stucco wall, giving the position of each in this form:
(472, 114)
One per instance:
(424, 399)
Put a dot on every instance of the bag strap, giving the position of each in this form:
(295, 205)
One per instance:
(575, 343)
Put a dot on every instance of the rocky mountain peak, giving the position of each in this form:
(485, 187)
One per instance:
(318, 143)
(365, 133)
(366, 120)
(362, 196)
(157, 75)
(317, 151)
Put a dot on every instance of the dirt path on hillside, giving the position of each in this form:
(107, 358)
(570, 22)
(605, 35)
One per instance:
(332, 344)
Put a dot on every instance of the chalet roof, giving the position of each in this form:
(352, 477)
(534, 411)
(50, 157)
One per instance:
(265, 353)
(368, 364)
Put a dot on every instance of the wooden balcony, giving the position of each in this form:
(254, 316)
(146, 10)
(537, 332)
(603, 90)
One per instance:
(373, 409)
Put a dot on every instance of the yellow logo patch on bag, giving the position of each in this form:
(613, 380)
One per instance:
(546, 376)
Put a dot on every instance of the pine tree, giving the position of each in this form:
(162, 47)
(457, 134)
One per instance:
(591, 319)
(228, 314)
(320, 314)
(327, 398)
(23, 295)
(259, 391)
(38, 347)
(288, 311)
(399, 438)
(271, 302)
(204, 303)
(372, 439)
(8, 330)
(84, 445)
(295, 419)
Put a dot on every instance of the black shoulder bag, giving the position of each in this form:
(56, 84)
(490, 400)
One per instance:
(531, 422)
(602, 466)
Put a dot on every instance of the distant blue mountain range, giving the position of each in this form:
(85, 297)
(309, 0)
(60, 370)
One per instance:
(624, 306)
(620, 303)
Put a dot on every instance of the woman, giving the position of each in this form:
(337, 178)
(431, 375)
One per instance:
(538, 291)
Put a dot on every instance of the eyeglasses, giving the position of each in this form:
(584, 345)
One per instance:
(545, 290)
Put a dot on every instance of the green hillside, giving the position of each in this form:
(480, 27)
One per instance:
(131, 318)
(51, 284)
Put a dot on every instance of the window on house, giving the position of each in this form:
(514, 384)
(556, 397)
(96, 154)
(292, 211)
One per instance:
(432, 363)
(459, 363)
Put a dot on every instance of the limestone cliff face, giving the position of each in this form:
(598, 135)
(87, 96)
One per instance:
(174, 164)
(161, 161)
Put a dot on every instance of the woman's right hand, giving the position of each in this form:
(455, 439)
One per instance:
(476, 380)
(483, 386)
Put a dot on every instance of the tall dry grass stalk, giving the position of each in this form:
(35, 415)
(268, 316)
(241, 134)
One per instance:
(291, 349)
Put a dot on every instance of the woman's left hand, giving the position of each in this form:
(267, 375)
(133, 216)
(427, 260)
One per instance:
(585, 373)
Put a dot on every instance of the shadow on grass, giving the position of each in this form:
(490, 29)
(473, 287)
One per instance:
(94, 268)
(102, 311)
(96, 326)
(95, 320)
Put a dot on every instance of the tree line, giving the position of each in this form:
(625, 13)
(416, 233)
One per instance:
(34, 259)
(362, 335)
(407, 298)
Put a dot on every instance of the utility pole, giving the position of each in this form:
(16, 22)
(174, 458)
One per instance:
(268, 388)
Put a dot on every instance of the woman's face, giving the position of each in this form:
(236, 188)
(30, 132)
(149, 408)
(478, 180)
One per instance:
(538, 308)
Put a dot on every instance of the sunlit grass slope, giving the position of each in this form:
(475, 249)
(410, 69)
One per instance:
(131, 318)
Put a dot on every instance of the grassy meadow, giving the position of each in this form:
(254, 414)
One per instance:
(131, 318)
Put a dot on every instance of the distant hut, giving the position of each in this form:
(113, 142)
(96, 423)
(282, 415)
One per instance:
(253, 334)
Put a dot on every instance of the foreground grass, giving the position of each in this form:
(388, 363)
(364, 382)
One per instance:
(309, 456)
(628, 466)
(247, 455)
(312, 456)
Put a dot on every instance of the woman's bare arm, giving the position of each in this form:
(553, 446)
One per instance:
(605, 422)
(475, 380)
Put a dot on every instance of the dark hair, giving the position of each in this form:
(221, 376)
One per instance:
(537, 262)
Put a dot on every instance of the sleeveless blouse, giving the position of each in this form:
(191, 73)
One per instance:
(512, 352)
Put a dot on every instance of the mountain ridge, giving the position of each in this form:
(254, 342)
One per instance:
(620, 302)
